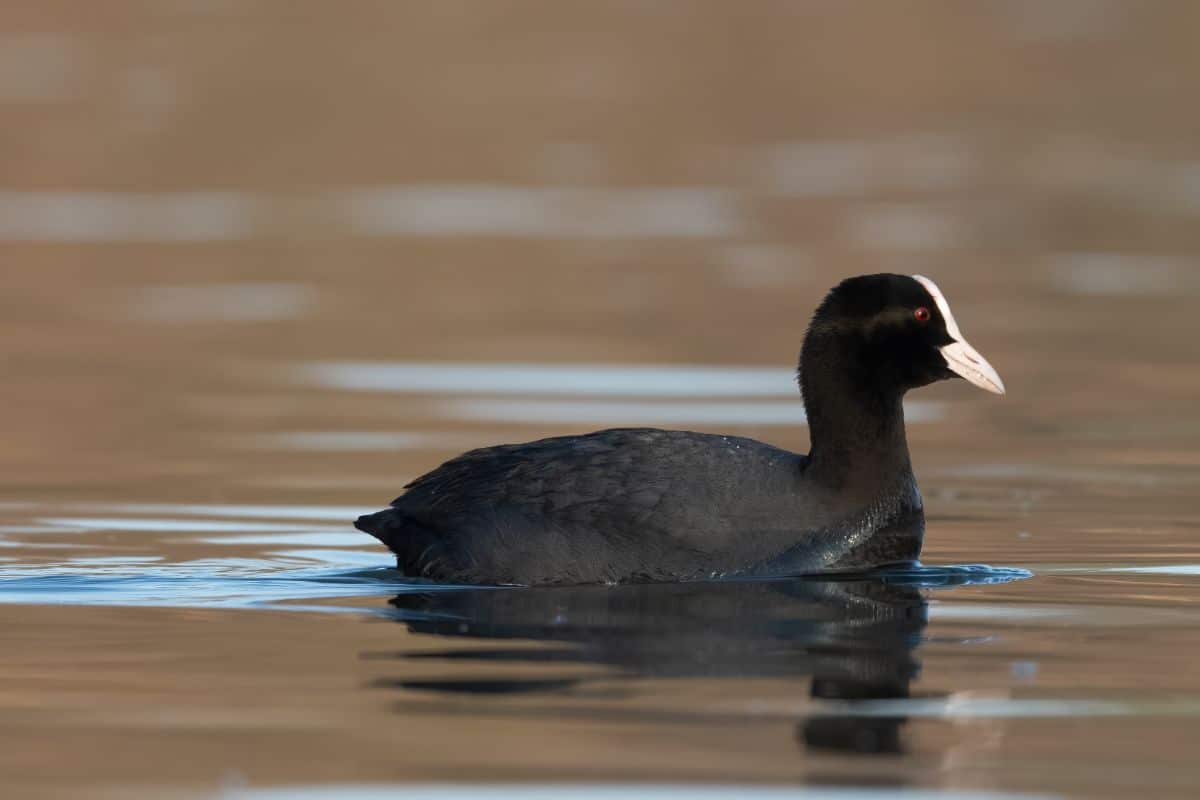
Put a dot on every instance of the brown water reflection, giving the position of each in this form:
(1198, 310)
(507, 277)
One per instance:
(848, 641)
(219, 223)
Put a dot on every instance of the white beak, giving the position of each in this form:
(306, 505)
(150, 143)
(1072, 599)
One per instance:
(961, 358)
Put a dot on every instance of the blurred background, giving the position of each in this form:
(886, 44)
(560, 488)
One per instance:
(269, 259)
(197, 192)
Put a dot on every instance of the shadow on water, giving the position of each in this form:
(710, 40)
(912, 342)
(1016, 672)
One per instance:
(853, 640)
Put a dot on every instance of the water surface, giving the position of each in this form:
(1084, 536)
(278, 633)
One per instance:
(261, 267)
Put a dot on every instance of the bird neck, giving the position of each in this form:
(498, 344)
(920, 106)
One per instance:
(856, 421)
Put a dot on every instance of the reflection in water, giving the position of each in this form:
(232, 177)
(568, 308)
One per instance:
(634, 412)
(461, 377)
(584, 394)
(222, 302)
(855, 639)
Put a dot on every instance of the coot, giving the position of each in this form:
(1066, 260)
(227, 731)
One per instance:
(643, 504)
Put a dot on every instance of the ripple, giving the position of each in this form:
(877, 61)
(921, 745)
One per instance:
(967, 706)
(312, 539)
(339, 513)
(542, 213)
(172, 525)
(206, 583)
(654, 380)
(308, 573)
(1166, 569)
(954, 575)
(616, 791)
(602, 412)
(364, 441)
(225, 302)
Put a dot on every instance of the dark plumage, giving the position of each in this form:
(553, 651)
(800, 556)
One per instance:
(643, 504)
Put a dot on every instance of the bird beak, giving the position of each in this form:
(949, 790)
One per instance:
(962, 359)
(965, 361)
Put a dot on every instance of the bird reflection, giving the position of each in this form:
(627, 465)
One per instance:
(855, 639)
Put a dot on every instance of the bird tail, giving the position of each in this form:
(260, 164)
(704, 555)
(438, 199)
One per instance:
(380, 524)
(417, 548)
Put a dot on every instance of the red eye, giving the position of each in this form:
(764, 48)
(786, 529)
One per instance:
(922, 314)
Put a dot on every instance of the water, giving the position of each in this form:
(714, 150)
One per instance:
(230, 642)
(259, 270)
(292, 561)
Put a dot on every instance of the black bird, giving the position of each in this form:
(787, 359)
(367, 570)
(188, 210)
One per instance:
(643, 504)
